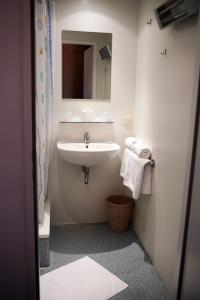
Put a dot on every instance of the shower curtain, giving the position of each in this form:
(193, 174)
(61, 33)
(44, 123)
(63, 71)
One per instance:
(44, 52)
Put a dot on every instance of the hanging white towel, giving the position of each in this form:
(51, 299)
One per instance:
(129, 142)
(141, 150)
(146, 188)
(132, 170)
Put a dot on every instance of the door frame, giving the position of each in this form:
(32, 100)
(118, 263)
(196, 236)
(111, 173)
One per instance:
(192, 197)
(181, 251)
(29, 128)
(91, 43)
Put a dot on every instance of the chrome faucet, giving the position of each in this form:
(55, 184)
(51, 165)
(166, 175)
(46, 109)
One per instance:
(86, 138)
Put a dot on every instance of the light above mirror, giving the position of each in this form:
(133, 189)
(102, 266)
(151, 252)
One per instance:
(86, 65)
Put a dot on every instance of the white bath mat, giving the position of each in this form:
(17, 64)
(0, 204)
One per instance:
(83, 279)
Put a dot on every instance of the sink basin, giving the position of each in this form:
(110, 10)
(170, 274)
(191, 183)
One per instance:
(78, 154)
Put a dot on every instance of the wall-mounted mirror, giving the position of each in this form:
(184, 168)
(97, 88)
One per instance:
(86, 65)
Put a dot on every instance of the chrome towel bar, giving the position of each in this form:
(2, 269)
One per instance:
(151, 163)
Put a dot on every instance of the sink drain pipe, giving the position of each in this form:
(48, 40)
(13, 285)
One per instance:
(86, 171)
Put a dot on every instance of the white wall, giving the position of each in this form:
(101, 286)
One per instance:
(71, 200)
(164, 114)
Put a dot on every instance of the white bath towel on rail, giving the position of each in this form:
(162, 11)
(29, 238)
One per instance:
(146, 188)
(130, 142)
(141, 150)
(132, 170)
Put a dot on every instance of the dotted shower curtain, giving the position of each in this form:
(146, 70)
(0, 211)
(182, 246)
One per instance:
(44, 37)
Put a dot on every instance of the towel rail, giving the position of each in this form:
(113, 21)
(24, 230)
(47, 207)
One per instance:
(151, 163)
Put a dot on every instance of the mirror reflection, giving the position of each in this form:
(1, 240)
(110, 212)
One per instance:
(86, 65)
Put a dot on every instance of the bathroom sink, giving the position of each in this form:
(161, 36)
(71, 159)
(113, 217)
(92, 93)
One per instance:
(87, 155)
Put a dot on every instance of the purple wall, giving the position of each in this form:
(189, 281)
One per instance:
(17, 249)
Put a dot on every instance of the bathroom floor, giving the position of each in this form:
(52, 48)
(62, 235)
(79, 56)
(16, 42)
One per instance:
(122, 254)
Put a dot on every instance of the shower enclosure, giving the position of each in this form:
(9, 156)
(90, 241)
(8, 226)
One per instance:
(44, 71)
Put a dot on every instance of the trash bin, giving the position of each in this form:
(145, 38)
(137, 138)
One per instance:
(120, 209)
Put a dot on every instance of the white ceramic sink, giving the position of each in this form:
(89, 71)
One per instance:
(96, 153)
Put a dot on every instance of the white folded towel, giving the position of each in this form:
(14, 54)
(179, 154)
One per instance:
(141, 150)
(129, 142)
(132, 170)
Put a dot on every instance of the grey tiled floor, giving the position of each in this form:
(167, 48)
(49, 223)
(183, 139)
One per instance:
(121, 254)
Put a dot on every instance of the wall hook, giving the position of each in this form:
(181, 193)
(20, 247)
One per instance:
(164, 52)
(149, 22)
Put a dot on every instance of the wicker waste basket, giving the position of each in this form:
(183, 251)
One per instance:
(119, 212)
